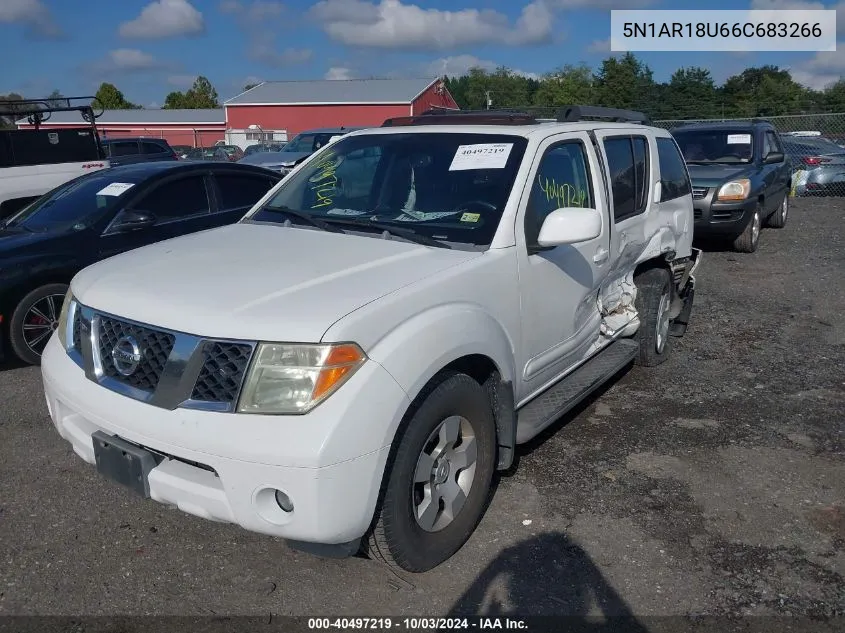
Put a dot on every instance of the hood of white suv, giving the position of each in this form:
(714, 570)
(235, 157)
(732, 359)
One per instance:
(256, 282)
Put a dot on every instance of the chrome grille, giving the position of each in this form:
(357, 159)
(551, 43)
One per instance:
(699, 192)
(223, 369)
(155, 349)
(171, 369)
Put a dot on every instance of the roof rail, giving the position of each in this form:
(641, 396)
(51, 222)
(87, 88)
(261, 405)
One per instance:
(458, 117)
(575, 113)
(38, 111)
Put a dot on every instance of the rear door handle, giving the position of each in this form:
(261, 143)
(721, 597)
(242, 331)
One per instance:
(600, 256)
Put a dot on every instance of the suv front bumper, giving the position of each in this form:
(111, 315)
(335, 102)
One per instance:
(717, 218)
(226, 467)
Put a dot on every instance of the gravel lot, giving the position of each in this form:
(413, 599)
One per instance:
(713, 484)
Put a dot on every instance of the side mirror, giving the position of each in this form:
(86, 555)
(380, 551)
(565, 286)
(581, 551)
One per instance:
(570, 225)
(773, 157)
(134, 220)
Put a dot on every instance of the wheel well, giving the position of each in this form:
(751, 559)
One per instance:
(484, 371)
(649, 264)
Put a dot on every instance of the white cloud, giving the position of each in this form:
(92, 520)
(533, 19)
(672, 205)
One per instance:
(164, 18)
(604, 4)
(821, 70)
(32, 14)
(457, 65)
(181, 81)
(392, 24)
(339, 73)
(132, 59)
(599, 46)
(256, 11)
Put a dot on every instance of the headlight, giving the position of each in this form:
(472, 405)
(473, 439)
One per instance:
(735, 190)
(289, 378)
(62, 327)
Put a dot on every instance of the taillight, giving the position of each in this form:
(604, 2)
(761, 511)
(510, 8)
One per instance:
(814, 160)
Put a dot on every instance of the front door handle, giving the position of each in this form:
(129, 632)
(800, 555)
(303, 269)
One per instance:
(600, 256)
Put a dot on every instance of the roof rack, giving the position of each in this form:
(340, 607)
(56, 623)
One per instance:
(38, 111)
(576, 113)
(459, 117)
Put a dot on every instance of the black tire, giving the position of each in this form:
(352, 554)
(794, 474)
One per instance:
(653, 301)
(23, 329)
(397, 537)
(749, 239)
(777, 220)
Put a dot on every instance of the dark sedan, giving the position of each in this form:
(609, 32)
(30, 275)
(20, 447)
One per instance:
(102, 214)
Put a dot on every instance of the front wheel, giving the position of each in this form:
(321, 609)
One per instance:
(439, 479)
(34, 320)
(749, 239)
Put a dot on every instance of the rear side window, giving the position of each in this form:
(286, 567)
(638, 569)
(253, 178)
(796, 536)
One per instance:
(124, 148)
(151, 148)
(627, 159)
(674, 179)
(176, 199)
(241, 191)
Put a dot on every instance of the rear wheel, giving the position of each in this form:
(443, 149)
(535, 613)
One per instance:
(749, 239)
(778, 219)
(34, 320)
(438, 482)
(653, 303)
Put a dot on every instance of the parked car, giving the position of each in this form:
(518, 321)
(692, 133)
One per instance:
(125, 151)
(348, 365)
(34, 161)
(182, 150)
(296, 150)
(215, 153)
(233, 152)
(740, 179)
(263, 147)
(99, 215)
(818, 166)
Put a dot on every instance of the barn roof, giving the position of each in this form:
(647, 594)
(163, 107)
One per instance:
(147, 117)
(340, 91)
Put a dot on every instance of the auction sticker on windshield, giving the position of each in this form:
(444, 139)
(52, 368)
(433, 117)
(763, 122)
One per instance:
(481, 156)
(739, 139)
(115, 189)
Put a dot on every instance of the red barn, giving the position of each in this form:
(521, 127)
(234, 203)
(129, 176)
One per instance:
(198, 128)
(295, 106)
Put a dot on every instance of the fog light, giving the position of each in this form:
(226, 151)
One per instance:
(284, 501)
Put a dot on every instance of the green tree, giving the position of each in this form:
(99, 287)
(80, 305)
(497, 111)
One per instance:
(625, 82)
(834, 97)
(764, 91)
(8, 121)
(690, 93)
(174, 101)
(56, 99)
(249, 87)
(569, 85)
(201, 95)
(112, 99)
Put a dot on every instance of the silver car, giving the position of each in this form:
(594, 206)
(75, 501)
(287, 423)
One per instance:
(818, 165)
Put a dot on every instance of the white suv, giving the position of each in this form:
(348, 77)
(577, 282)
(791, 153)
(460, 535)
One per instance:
(348, 366)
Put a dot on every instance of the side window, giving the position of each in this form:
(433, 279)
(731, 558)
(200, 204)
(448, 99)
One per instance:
(151, 148)
(176, 199)
(674, 179)
(563, 180)
(239, 191)
(124, 148)
(773, 142)
(627, 176)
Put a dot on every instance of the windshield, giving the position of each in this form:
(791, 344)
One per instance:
(75, 205)
(716, 146)
(450, 187)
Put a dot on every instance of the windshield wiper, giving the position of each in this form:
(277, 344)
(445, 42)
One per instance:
(408, 234)
(305, 217)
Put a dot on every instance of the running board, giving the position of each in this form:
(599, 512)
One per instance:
(545, 409)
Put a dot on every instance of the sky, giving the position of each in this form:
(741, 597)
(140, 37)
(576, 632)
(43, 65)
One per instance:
(149, 48)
